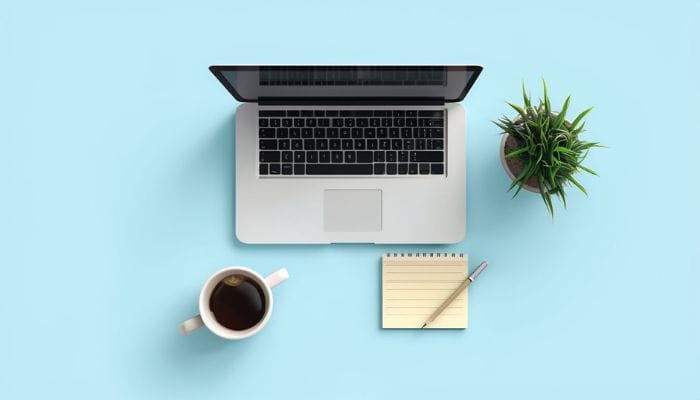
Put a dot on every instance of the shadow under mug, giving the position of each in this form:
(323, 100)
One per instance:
(206, 316)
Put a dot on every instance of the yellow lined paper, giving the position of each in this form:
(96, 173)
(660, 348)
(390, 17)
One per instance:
(415, 285)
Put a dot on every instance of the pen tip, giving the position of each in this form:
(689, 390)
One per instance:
(424, 325)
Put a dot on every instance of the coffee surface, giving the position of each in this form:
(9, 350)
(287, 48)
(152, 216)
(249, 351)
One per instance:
(238, 302)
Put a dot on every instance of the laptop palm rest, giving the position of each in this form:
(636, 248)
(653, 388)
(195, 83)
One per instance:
(347, 210)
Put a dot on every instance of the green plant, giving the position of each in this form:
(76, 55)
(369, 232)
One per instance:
(549, 146)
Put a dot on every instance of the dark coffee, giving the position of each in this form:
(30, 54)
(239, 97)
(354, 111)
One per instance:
(238, 302)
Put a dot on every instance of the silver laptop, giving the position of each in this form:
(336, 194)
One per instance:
(330, 154)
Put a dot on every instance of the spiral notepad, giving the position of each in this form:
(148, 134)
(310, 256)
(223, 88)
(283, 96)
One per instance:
(415, 284)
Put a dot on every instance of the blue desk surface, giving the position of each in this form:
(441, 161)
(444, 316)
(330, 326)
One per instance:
(117, 203)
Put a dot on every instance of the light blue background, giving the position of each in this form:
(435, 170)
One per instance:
(117, 180)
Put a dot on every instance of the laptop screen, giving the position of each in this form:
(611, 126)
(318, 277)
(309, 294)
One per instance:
(254, 83)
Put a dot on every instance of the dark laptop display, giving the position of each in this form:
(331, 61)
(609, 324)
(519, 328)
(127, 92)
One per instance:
(375, 83)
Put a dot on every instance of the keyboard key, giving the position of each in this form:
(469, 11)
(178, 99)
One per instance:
(307, 113)
(420, 144)
(437, 169)
(275, 122)
(411, 122)
(390, 156)
(412, 169)
(364, 157)
(386, 122)
(337, 156)
(344, 133)
(274, 169)
(399, 113)
(372, 144)
(283, 144)
(319, 113)
(337, 122)
(339, 169)
(359, 144)
(299, 122)
(393, 133)
(324, 156)
(396, 144)
(374, 122)
(424, 168)
(411, 113)
(399, 121)
(321, 144)
(271, 113)
(382, 132)
(334, 144)
(406, 133)
(287, 156)
(403, 169)
(349, 157)
(437, 144)
(287, 122)
(294, 133)
(382, 113)
(268, 144)
(309, 144)
(331, 113)
(384, 144)
(266, 133)
(427, 156)
(311, 122)
(363, 113)
(370, 133)
(324, 122)
(349, 122)
(282, 132)
(263, 169)
(307, 133)
(357, 133)
(423, 133)
(297, 144)
(430, 113)
(379, 156)
(292, 113)
(403, 156)
(347, 144)
(408, 144)
(286, 169)
(332, 133)
(362, 122)
(299, 169)
(379, 168)
(312, 156)
(263, 122)
(269, 156)
(436, 133)
(391, 169)
(299, 157)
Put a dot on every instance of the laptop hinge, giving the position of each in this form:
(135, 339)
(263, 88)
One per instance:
(351, 101)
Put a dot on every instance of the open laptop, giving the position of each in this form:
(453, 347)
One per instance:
(329, 154)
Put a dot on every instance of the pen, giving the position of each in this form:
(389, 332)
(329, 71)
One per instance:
(456, 293)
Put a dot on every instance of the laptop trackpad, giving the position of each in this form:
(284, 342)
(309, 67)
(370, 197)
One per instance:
(352, 210)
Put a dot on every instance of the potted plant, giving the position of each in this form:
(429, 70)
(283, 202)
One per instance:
(541, 150)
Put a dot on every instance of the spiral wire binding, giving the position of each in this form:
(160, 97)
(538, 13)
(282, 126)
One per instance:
(433, 255)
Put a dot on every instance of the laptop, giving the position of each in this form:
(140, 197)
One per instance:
(337, 154)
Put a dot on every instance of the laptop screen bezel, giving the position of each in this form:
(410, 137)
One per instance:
(218, 71)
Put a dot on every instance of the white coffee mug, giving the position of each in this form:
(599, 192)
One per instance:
(206, 316)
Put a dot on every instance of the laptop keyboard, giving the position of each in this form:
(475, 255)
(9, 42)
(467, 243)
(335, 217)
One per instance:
(351, 142)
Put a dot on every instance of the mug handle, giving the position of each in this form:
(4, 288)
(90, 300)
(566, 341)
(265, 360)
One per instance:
(191, 324)
(277, 277)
